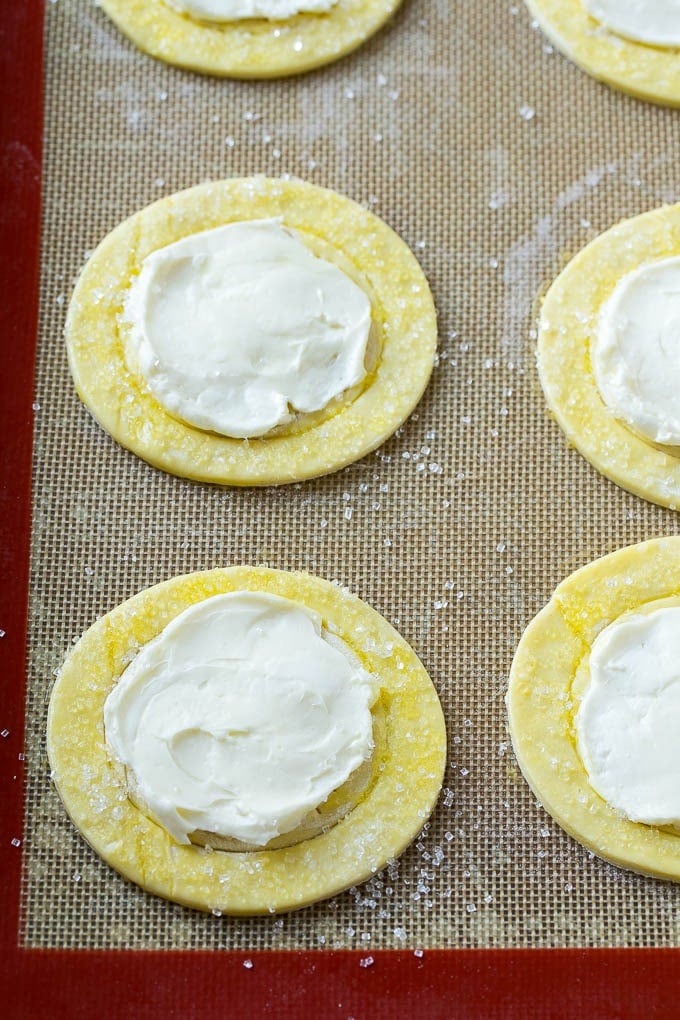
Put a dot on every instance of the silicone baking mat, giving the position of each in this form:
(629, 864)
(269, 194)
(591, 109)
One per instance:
(495, 159)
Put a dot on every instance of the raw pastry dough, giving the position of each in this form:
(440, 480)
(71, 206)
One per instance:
(408, 761)
(336, 228)
(548, 677)
(568, 320)
(647, 72)
(255, 48)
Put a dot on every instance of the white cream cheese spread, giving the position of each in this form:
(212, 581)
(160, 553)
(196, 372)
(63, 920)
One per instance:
(628, 723)
(240, 718)
(636, 351)
(656, 22)
(239, 328)
(238, 10)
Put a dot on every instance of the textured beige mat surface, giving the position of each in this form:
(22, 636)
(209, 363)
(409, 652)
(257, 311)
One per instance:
(495, 159)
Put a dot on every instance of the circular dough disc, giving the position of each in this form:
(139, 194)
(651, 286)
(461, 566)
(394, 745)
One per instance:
(646, 72)
(568, 321)
(409, 757)
(403, 315)
(547, 679)
(255, 48)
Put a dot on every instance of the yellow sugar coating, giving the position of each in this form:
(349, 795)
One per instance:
(403, 314)
(409, 757)
(255, 48)
(548, 677)
(644, 71)
(568, 321)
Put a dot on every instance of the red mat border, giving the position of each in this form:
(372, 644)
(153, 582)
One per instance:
(507, 984)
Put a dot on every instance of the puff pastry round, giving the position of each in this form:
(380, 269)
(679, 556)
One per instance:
(255, 48)
(407, 771)
(404, 324)
(548, 677)
(647, 72)
(568, 321)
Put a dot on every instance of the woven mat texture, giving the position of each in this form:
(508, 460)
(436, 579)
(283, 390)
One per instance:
(495, 159)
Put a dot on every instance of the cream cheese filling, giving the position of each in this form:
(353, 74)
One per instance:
(240, 718)
(628, 723)
(636, 351)
(238, 10)
(238, 329)
(656, 22)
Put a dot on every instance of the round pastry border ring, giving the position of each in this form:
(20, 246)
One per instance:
(646, 72)
(543, 696)
(255, 48)
(403, 312)
(388, 816)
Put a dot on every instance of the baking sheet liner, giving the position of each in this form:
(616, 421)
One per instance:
(495, 159)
